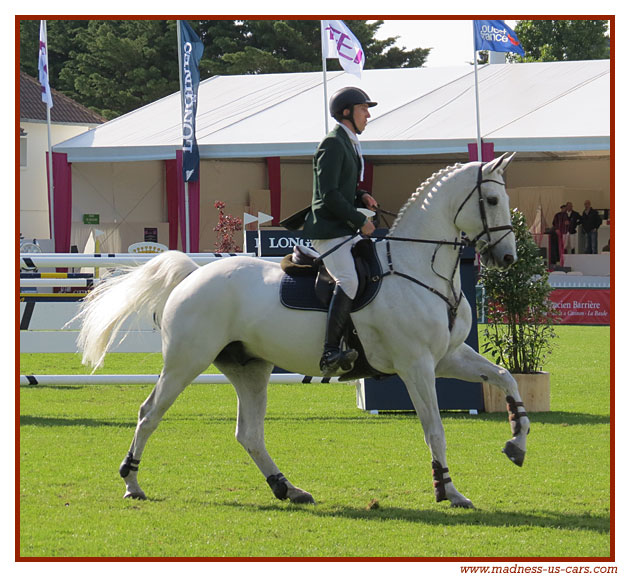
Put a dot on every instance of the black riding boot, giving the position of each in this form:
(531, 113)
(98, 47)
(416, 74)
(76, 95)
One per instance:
(334, 360)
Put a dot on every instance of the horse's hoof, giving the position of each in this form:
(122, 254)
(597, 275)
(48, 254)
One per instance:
(462, 504)
(302, 498)
(514, 453)
(140, 496)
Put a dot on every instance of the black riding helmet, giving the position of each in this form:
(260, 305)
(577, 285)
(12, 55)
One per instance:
(348, 98)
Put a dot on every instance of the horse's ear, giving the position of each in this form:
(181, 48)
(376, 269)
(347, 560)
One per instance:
(501, 163)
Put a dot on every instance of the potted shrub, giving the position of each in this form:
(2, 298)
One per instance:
(519, 332)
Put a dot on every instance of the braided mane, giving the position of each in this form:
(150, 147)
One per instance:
(430, 185)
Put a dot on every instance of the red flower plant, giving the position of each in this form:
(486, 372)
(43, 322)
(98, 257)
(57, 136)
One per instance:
(227, 226)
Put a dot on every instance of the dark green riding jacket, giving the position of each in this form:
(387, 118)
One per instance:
(336, 167)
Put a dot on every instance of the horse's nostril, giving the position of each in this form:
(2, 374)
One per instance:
(508, 259)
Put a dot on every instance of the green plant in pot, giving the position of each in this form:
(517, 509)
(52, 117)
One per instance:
(519, 332)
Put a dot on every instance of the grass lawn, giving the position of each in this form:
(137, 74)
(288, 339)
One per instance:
(208, 499)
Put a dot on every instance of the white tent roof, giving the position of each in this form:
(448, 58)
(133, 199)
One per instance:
(554, 106)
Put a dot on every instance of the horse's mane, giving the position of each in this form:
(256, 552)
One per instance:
(431, 184)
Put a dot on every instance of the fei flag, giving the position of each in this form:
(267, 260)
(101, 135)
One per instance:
(43, 65)
(339, 42)
(191, 50)
(496, 36)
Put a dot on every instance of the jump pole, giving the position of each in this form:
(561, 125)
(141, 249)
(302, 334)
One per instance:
(205, 379)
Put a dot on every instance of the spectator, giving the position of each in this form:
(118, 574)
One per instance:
(590, 221)
(560, 230)
(571, 238)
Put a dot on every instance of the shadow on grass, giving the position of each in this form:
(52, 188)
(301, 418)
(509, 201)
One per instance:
(549, 418)
(454, 517)
(29, 420)
(562, 418)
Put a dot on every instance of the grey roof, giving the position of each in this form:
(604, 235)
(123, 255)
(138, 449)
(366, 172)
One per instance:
(550, 106)
(64, 110)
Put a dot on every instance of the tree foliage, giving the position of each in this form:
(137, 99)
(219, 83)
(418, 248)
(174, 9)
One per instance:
(519, 313)
(115, 66)
(557, 40)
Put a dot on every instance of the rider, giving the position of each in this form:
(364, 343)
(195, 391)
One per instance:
(334, 218)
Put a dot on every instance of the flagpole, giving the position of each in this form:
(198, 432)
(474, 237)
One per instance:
(181, 93)
(479, 156)
(325, 82)
(51, 189)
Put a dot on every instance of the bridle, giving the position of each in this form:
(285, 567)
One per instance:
(482, 246)
(484, 218)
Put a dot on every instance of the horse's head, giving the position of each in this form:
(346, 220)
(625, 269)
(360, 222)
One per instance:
(485, 213)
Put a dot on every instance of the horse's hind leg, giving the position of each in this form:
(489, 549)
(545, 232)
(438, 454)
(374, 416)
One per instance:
(172, 381)
(250, 381)
(466, 364)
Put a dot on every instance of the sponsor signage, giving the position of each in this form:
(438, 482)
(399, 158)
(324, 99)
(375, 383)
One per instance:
(582, 306)
(275, 242)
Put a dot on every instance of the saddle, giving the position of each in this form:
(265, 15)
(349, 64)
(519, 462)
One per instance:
(307, 285)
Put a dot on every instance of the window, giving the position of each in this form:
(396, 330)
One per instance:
(23, 148)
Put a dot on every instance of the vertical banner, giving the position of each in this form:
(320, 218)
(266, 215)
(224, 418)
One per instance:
(338, 41)
(191, 51)
(44, 80)
(43, 64)
(496, 36)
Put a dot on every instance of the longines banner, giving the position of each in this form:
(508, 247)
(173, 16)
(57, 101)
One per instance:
(275, 242)
(582, 306)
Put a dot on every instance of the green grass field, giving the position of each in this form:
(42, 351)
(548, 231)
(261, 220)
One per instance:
(208, 499)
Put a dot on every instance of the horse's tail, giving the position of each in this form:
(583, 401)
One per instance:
(144, 289)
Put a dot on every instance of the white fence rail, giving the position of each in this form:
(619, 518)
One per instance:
(45, 326)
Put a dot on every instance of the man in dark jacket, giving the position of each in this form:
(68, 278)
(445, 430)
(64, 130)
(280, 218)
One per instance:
(574, 219)
(590, 221)
(334, 218)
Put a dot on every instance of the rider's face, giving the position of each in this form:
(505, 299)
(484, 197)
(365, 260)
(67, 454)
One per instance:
(361, 115)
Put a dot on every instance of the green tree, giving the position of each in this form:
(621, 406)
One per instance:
(122, 64)
(271, 46)
(556, 40)
(115, 66)
(520, 316)
(62, 41)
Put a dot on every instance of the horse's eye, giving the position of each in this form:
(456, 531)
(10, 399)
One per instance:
(493, 200)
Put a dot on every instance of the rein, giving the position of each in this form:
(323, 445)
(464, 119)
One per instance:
(454, 301)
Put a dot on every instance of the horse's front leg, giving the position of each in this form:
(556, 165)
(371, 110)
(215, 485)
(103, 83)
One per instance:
(466, 364)
(420, 382)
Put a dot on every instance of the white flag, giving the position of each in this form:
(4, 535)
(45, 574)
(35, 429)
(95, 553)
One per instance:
(43, 65)
(339, 42)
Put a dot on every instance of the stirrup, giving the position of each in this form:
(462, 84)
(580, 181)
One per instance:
(336, 360)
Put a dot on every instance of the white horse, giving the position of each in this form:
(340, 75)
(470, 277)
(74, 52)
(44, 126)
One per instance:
(229, 313)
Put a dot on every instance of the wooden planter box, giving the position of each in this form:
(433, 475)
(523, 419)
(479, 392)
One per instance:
(535, 391)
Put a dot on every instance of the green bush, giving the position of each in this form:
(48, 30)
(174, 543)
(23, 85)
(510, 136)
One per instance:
(519, 329)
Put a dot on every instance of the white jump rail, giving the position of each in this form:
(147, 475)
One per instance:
(59, 282)
(205, 379)
(106, 260)
(45, 326)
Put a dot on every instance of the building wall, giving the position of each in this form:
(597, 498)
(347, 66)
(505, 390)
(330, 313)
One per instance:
(33, 177)
(135, 193)
(574, 180)
(127, 196)
(230, 182)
